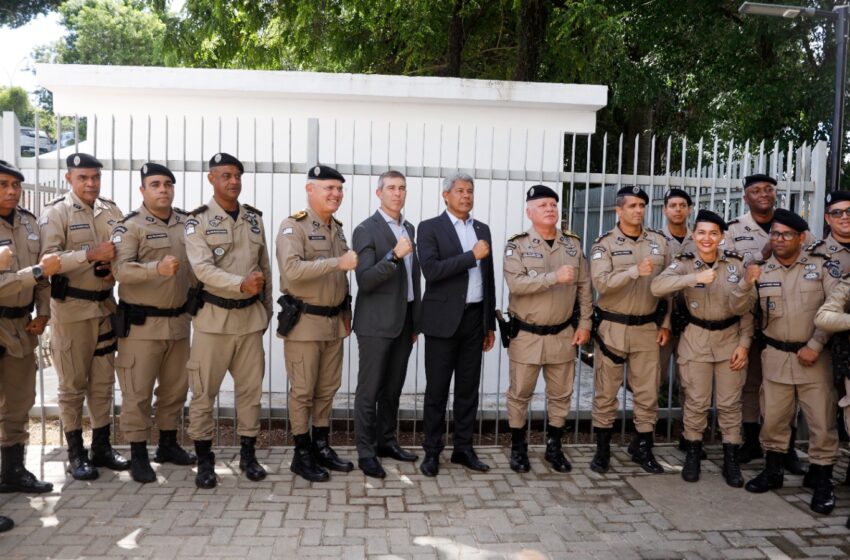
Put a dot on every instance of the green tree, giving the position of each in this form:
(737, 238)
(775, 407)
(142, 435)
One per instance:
(15, 99)
(15, 13)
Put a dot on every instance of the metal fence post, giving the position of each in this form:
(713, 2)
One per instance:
(818, 171)
(312, 142)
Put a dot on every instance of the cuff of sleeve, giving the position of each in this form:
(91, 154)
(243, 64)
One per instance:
(72, 261)
(150, 269)
(26, 278)
(585, 324)
(745, 341)
(815, 345)
(633, 272)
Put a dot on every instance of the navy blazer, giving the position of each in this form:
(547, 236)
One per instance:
(381, 304)
(446, 269)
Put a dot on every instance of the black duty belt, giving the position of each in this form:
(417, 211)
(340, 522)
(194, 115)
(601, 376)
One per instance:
(229, 303)
(545, 329)
(16, 312)
(150, 311)
(90, 295)
(792, 347)
(630, 320)
(324, 311)
(714, 325)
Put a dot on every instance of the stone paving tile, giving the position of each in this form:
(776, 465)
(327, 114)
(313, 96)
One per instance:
(459, 514)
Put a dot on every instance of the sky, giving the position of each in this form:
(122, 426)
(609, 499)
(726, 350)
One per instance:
(16, 46)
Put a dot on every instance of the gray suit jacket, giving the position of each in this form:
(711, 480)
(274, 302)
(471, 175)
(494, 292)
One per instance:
(381, 303)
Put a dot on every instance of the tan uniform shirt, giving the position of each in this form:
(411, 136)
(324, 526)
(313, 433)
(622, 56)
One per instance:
(18, 287)
(789, 299)
(716, 301)
(141, 241)
(833, 316)
(614, 261)
(71, 227)
(222, 253)
(536, 297)
(746, 238)
(308, 254)
(676, 247)
(838, 252)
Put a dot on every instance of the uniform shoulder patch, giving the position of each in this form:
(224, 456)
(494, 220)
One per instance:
(106, 200)
(733, 254)
(569, 233)
(180, 211)
(298, 216)
(23, 210)
(55, 201)
(198, 210)
(128, 216)
(252, 209)
(684, 256)
(517, 236)
(601, 237)
(337, 221)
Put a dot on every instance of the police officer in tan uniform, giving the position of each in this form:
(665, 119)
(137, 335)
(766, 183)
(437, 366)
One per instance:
(837, 215)
(633, 325)
(77, 226)
(23, 286)
(226, 247)
(790, 287)
(550, 304)
(714, 345)
(314, 259)
(151, 323)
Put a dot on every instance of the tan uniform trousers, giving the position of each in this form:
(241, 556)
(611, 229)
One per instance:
(643, 381)
(697, 378)
(140, 364)
(559, 391)
(817, 399)
(315, 373)
(212, 355)
(82, 375)
(17, 395)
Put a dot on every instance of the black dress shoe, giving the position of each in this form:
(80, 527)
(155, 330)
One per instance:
(6, 524)
(371, 467)
(470, 460)
(430, 465)
(395, 451)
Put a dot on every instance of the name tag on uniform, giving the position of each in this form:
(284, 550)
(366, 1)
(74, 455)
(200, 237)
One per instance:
(769, 285)
(5, 242)
(215, 231)
(157, 235)
(620, 253)
(744, 238)
(79, 226)
(533, 255)
(317, 238)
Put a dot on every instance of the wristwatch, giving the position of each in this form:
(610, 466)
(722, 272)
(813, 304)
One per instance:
(37, 272)
(392, 257)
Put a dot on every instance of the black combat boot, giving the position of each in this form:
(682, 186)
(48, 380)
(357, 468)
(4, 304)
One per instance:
(324, 453)
(205, 479)
(640, 450)
(691, 468)
(248, 459)
(519, 451)
(602, 459)
(772, 477)
(79, 465)
(751, 449)
(14, 477)
(683, 446)
(792, 462)
(731, 469)
(102, 453)
(823, 498)
(554, 451)
(140, 465)
(169, 451)
(303, 463)
(6, 524)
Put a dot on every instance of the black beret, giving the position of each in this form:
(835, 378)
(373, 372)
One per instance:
(632, 190)
(82, 161)
(150, 169)
(836, 196)
(678, 193)
(9, 169)
(541, 191)
(758, 178)
(325, 172)
(790, 219)
(222, 158)
(709, 216)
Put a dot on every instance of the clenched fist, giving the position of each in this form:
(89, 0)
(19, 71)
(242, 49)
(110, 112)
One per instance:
(103, 252)
(481, 249)
(403, 248)
(6, 255)
(706, 276)
(753, 274)
(566, 274)
(50, 265)
(168, 266)
(253, 283)
(348, 261)
(645, 267)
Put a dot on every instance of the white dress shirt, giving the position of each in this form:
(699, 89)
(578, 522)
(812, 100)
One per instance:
(466, 233)
(400, 231)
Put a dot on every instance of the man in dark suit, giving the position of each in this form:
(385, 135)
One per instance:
(458, 319)
(386, 320)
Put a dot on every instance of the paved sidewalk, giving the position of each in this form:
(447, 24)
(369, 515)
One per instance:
(457, 515)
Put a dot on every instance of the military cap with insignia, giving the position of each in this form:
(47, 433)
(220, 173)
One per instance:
(678, 193)
(751, 180)
(151, 169)
(325, 172)
(709, 216)
(632, 190)
(9, 169)
(82, 161)
(541, 191)
(836, 196)
(223, 158)
(790, 219)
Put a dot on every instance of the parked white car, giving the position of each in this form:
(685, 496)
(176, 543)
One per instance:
(45, 142)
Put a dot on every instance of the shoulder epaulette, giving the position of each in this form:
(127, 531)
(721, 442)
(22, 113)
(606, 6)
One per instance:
(104, 199)
(180, 211)
(812, 246)
(298, 216)
(337, 221)
(128, 216)
(568, 233)
(55, 200)
(252, 209)
(686, 255)
(758, 262)
(23, 210)
(735, 221)
(517, 236)
(198, 210)
(733, 254)
(845, 276)
(601, 237)
(658, 231)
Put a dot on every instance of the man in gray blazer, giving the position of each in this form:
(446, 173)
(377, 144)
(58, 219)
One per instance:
(386, 320)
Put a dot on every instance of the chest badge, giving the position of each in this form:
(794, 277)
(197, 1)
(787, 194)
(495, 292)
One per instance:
(218, 251)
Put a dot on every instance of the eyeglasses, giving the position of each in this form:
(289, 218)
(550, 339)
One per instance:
(837, 213)
(785, 235)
